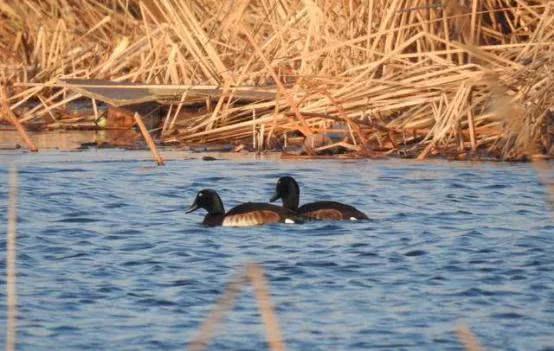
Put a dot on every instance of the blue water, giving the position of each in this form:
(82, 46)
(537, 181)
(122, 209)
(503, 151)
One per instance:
(107, 259)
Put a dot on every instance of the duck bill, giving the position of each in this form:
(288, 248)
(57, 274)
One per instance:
(192, 208)
(275, 197)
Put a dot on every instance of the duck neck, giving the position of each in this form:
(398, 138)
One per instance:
(213, 220)
(217, 207)
(291, 201)
(216, 213)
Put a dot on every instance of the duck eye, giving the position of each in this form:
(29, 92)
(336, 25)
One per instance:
(200, 194)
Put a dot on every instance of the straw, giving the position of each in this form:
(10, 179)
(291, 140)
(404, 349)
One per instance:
(151, 145)
(387, 69)
(468, 339)
(6, 110)
(271, 324)
(253, 274)
(11, 256)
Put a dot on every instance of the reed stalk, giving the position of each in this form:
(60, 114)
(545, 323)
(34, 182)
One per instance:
(11, 257)
(450, 75)
(6, 111)
(468, 339)
(252, 274)
(148, 138)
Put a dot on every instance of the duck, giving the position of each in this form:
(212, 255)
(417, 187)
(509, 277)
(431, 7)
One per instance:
(288, 190)
(244, 215)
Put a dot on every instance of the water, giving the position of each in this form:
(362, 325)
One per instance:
(107, 259)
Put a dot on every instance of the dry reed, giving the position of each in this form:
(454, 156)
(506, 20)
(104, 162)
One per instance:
(468, 339)
(5, 108)
(11, 256)
(159, 160)
(377, 77)
(253, 274)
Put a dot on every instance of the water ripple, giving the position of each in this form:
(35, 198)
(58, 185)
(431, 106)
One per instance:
(108, 259)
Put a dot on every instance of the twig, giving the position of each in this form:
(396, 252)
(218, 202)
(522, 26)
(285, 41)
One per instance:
(13, 119)
(149, 140)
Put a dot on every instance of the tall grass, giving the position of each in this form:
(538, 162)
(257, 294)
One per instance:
(413, 78)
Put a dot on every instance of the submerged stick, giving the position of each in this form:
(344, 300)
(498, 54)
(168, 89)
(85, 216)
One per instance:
(11, 287)
(13, 119)
(159, 160)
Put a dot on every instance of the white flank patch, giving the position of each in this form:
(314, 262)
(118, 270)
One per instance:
(289, 221)
(353, 218)
(238, 224)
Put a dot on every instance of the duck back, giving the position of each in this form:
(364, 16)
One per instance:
(330, 210)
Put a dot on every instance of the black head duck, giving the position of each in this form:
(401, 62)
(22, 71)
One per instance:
(288, 190)
(244, 215)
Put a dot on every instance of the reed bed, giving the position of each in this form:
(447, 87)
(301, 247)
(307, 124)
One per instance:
(465, 79)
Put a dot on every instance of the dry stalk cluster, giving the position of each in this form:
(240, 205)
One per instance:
(410, 78)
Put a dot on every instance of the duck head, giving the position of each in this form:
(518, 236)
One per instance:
(209, 200)
(288, 190)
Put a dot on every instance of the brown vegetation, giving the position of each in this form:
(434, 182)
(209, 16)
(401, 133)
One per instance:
(410, 78)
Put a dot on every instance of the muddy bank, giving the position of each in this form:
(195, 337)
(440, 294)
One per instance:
(74, 141)
(131, 139)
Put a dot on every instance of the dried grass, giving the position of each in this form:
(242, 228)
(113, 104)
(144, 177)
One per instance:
(11, 257)
(467, 79)
(468, 339)
(253, 274)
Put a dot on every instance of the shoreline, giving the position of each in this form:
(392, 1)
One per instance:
(72, 141)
